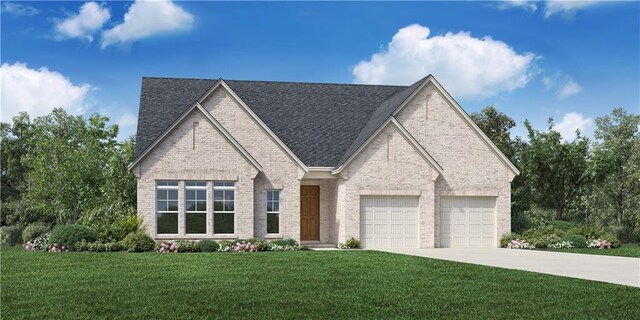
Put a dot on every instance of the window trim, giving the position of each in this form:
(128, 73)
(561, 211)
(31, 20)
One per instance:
(166, 187)
(273, 212)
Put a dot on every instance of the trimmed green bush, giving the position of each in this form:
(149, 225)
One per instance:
(578, 241)
(34, 230)
(285, 242)
(352, 243)
(507, 237)
(207, 245)
(187, 246)
(542, 237)
(11, 235)
(138, 242)
(70, 234)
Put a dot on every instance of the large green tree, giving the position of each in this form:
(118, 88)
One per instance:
(557, 169)
(13, 146)
(616, 166)
(66, 160)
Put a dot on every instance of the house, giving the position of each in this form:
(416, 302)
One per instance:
(393, 166)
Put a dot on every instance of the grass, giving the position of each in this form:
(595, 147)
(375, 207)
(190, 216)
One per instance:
(291, 285)
(626, 250)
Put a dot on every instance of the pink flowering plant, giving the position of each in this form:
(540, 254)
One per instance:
(58, 248)
(520, 244)
(244, 247)
(600, 244)
(168, 247)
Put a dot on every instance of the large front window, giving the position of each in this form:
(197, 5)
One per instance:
(196, 207)
(167, 207)
(223, 207)
(273, 211)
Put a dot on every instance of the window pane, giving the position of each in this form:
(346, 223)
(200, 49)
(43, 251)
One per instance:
(161, 194)
(190, 194)
(172, 206)
(172, 194)
(269, 195)
(167, 223)
(201, 194)
(276, 206)
(191, 206)
(269, 206)
(168, 183)
(162, 205)
(201, 206)
(218, 206)
(196, 184)
(228, 195)
(223, 223)
(228, 206)
(273, 223)
(196, 223)
(217, 195)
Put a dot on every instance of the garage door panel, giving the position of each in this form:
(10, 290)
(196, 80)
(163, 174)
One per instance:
(395, 222)
(467, 222)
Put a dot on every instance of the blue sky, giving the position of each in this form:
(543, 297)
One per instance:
(573, 61)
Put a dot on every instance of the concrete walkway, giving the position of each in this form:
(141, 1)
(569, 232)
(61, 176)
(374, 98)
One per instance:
(619, 270)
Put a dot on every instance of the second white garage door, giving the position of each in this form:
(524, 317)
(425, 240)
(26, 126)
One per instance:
(389, 222)
(467, 222)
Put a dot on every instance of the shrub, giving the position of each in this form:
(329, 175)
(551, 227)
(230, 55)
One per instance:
(58, 248)
(285, 242)
(600, 244)
(11, 235)
(507, 237)
(520, 222)
(207, 245)
(615, 243)
(561, 245)
(626, 235)
(225, 246)
(40, 243)
(561, 225)
(520, 244)
(588, 231)
(34, 230)
(70, 234)
(261, 245)
(352, 243)
(542, 237)
(578, 241)
(243, 247)
(138, 242)
(187, 246)
(274, 247)
(167, 247)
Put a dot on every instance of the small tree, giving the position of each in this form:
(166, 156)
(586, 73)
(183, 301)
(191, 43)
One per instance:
(557, 169)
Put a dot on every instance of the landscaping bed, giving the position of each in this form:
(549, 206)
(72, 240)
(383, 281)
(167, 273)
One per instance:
(290, 285)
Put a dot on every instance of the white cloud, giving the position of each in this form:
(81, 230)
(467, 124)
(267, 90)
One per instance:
(563, 85)
(508, 4)
(19, 10)
(569, 88)
(469, 67)
(148, 18)
(571, 122)
(91, 17)
(39, 91)
(566, 8)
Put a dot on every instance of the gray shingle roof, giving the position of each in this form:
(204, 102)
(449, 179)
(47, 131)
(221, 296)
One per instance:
(322, 124)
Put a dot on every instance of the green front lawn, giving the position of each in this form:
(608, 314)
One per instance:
(626, 250)
(291, 285)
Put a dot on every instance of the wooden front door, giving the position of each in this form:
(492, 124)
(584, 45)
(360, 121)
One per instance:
(309, 212)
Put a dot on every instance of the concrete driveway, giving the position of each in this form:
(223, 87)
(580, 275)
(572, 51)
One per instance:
(619, 270)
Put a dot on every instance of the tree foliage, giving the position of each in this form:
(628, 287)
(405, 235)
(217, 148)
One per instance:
(616, 166)
(556, 169)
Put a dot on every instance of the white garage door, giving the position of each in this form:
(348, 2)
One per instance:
(467, 222)
(389, 222)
